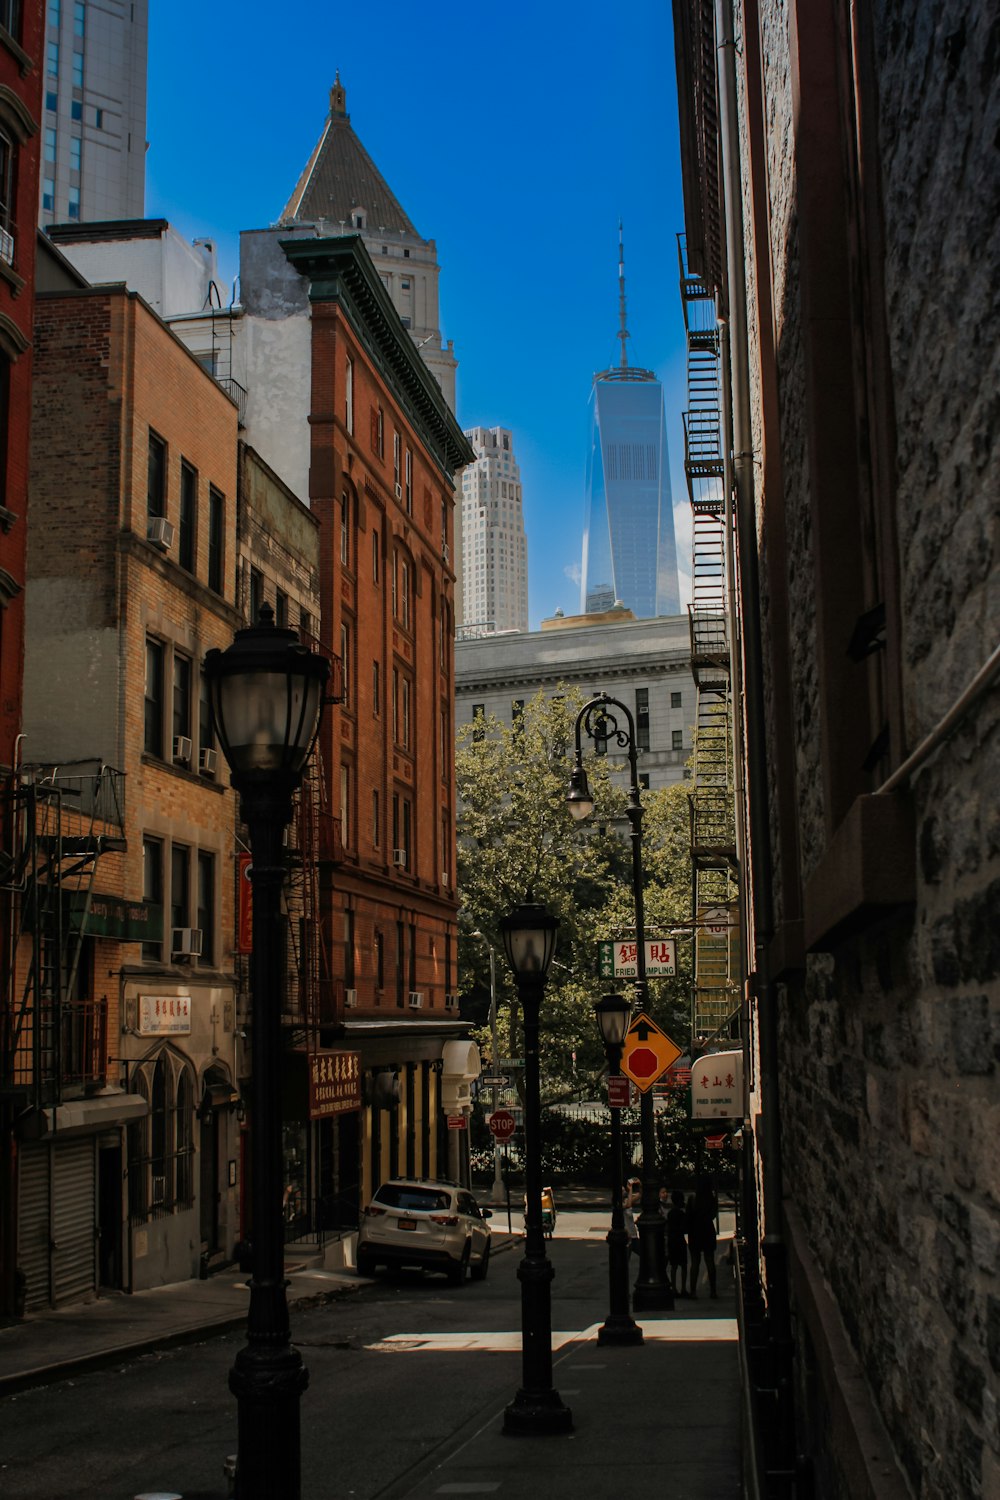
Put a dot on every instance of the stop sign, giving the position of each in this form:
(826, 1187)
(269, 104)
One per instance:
(502, 1124)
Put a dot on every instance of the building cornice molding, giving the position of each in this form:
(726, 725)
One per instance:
(341, 271)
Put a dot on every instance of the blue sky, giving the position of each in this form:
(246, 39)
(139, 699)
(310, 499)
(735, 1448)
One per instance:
(515, 135)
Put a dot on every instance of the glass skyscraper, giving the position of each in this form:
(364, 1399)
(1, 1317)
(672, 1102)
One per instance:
(629, 552)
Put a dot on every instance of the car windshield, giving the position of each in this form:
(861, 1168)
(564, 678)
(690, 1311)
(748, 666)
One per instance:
(406, 1196)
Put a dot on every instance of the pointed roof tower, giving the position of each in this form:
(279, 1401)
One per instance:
(340, 182)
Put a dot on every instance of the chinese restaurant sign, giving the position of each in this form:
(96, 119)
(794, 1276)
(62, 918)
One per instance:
(717, 1086)
(164, 1015)
(334, 1083)
(621, 960)
(244, 940)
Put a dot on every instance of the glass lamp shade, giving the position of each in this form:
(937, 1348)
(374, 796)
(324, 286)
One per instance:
(266, 692)
(613, 1014)
(529, 940)
(578, 798)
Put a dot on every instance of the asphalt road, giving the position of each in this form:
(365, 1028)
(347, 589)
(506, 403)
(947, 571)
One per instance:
(387, 1395)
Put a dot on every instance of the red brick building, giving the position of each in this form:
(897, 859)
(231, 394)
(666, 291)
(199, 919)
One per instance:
(21, 73)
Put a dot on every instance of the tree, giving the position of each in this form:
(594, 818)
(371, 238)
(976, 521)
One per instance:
(516, 836)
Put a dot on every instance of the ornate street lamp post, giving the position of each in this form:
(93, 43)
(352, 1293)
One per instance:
(612, 1016)
(598, 719)
(529, 940)
(267, 695)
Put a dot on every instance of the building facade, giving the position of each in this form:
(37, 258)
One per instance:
(494, 572)
(93, 163)
(131, 571)
(646, 663)
(841, 201)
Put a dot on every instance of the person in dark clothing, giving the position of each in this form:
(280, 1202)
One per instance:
(677, 1255)
(702, 1235)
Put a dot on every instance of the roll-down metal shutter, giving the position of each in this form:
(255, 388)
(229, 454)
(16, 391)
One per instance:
(33, 1223)
(74, 1217)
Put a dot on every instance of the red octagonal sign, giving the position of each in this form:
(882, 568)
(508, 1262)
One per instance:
(502, 1124)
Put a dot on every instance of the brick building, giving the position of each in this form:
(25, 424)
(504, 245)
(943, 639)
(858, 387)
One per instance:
(131, 580)
(21, 45)
(841, 203)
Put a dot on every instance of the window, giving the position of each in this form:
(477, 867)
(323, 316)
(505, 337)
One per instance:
(395, 705)
(156, 477)
(408, 472)
(644, 780)
(405, 719)
(642, 718)
(78, 70)
(76, 109)
(54, 7)
(52, 59)
(75, 148)
(49, 195)
(478, 722)
(345, 795)
(305, 622)
(379, 946)
(376, 820)
(161, 1146)
(152, 894)
(51, 100)
(677, 739)
(345, 662)
(98, 119)
(281, 609)
(206, 905)
(400, 961)
(153, 708)
(79, 11)
(205, 736)
(675, 700)
(216, 521)
(378, 431)
(256, 594)
(180, 887)
(186, 529)
(73, 204)
(397, 450)
(376, 689)
(375, 556)
(182, 696)
(345, 530)
(517, 715)
(50, 144)
(349, 397)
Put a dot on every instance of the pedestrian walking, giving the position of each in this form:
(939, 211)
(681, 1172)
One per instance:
(702, 1236)
(677, 1254)
(631, 1201)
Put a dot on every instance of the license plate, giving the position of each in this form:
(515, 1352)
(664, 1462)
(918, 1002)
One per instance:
(406, 1223)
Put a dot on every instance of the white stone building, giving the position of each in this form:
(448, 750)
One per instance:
(94, 129)
(646, 664)
(494, 562)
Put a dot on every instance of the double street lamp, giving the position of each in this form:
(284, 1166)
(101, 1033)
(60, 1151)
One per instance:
(267, 696)
(529, 940)
(612, 1015)
(599, 720)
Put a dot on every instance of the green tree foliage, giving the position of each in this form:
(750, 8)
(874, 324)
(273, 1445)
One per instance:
(516, 837)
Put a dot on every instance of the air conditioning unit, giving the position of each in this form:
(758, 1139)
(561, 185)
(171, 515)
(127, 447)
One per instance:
(445, 552)
(160, 532)
(185, 942)
(207, 760)
(182, 748)
(399, 492)
(399, 858)
(7, 246)
(416, 999)
(350, 998)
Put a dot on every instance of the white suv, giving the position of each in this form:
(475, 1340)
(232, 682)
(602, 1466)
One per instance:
(438, 1226)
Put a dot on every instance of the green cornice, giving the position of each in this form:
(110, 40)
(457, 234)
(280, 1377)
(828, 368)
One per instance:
(340, 270)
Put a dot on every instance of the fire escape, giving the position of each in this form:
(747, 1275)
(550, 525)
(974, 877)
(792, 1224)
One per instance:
(57, 823)
(715, 994)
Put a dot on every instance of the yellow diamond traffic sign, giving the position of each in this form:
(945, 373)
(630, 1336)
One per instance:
(648, 1052)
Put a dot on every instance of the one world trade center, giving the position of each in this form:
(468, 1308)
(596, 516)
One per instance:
(629, 552)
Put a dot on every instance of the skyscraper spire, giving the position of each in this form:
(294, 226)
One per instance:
(622, 331)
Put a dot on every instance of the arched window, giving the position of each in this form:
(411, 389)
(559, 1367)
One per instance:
(161, 1147)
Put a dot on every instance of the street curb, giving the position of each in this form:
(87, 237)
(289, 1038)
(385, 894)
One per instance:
(101, 1359)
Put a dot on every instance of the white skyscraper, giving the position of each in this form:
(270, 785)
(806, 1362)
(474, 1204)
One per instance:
(94, 131)
(494, 548)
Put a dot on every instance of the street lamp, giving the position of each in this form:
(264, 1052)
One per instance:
(529, 940)
(267, 695)
(612, 1016)
(498, 1188)
(599, 720)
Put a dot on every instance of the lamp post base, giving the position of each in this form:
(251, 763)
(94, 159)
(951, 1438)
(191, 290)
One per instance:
(267, 1385)
(536, 1412)
(619, 1329)
(652, 1291)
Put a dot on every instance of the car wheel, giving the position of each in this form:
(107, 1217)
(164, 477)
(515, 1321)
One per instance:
(478, 1273)
(366, 1265)
(457, 1274)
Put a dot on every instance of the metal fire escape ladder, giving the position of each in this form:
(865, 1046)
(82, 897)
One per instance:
(715, 994)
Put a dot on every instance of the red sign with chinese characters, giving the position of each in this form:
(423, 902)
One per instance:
(334, 1083)
(244, 896)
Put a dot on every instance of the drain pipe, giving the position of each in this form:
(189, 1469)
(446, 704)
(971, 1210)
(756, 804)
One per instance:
(774, 1246)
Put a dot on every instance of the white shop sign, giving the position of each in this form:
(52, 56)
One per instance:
(717, 1086)
(164, 1015)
